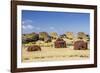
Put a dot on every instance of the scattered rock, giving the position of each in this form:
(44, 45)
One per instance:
(34, 48)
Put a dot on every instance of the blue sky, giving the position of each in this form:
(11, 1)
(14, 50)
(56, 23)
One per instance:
(60, 22)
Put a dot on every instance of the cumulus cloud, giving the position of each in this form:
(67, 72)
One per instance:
(27, 24)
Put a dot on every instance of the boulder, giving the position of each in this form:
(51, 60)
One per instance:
(60, 43)
(34, 48)
(80, 45)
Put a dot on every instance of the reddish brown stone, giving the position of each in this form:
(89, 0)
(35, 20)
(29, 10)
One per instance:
(80, 45)
(60, 43)
(34, 48)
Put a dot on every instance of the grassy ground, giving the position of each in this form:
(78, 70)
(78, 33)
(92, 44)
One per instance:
(52, 54)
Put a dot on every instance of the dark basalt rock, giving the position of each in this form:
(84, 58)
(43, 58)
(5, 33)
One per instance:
(80, 45)
(34, 48)
(60, 43)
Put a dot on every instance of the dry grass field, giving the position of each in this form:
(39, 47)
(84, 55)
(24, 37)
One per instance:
(53, 54)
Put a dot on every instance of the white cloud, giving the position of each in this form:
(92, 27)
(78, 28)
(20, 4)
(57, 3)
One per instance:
(52, 28)
(28, 27)
(38, 28)
(23, 26)
(25, 22)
